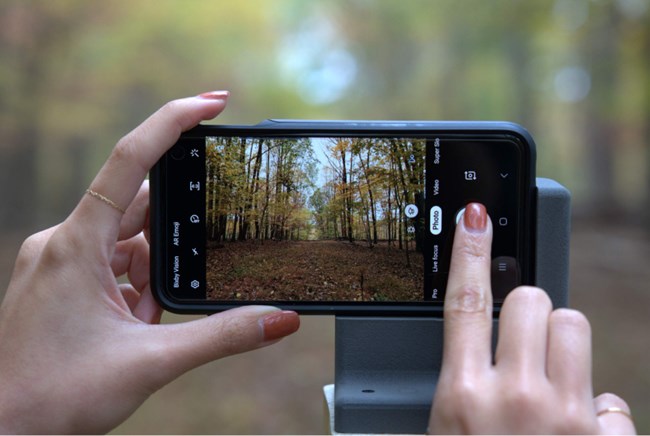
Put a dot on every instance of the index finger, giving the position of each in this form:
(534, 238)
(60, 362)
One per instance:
(135, 154)
(468, 299)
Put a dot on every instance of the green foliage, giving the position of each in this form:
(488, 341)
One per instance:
(256, 188)
(574, 72)
(368, 184)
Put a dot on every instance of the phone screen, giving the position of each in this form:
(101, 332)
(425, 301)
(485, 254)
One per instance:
(325, 221)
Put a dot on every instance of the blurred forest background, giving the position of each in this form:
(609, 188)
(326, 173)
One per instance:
(76, 75)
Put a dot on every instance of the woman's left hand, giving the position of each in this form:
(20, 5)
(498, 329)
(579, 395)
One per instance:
(80, 352)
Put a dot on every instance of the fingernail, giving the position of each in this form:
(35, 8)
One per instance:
(475, 217)
(215, 95)
(279, 324)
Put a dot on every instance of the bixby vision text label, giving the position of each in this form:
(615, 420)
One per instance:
(177, 275)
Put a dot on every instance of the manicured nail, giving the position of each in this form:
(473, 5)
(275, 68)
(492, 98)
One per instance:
(215, 95)
(279, 324)
(475, 217)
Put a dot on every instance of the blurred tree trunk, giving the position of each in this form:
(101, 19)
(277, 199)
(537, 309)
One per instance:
(21, 49)
(645, 211)
(601, 135)
(18, 180)
(519, 53)
(30, 34)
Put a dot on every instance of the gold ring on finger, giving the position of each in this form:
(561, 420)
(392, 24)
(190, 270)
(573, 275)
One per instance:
(104, 199)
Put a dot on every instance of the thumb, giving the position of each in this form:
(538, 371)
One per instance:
(191, 344)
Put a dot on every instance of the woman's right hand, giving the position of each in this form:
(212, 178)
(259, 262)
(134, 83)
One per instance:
(539, 380)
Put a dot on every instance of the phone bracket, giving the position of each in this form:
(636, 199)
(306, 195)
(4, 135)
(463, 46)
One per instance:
(386, 369)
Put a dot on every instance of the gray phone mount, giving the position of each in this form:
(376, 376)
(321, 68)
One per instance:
(386, 368)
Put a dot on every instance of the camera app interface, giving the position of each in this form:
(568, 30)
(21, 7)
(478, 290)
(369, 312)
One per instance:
(336, 219)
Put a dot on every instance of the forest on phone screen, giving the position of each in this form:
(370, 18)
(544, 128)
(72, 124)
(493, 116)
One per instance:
(314, 218)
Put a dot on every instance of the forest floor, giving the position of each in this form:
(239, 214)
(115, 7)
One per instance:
(313, 270)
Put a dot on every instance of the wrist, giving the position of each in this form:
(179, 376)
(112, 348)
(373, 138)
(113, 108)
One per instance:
(17, 409)
(9, 414)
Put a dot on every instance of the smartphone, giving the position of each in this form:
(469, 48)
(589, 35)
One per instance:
(335, 217)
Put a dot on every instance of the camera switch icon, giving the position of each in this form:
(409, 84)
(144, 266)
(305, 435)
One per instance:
(411, 211)
(470, 175)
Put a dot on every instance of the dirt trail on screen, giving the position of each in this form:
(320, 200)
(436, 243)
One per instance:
(313, 270)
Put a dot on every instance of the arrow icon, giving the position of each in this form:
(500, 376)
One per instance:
(503, 175)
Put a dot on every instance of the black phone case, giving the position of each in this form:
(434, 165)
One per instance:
(326, 128)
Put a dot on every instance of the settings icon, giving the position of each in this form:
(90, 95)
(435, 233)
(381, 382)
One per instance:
(195, 284)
